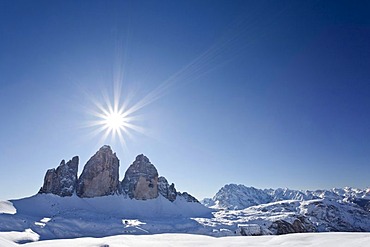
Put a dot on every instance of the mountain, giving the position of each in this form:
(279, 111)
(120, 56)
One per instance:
(63, 180)
(263, 212)
(98, 204)
(291, 216)
(233, 196)
(100, 177)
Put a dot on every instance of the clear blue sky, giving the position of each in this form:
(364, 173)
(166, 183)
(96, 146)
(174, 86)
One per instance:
(263, 93)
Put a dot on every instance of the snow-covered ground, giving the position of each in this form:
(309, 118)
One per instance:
(178, 240)
(50, 220)
(50, 216)
(47, 216)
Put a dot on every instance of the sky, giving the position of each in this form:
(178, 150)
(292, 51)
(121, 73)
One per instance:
(262, 93)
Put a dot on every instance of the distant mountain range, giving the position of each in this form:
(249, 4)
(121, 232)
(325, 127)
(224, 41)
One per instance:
(233, 196)
(281, 211)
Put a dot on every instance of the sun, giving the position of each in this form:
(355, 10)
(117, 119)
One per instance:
(114, 121)
(114, 118)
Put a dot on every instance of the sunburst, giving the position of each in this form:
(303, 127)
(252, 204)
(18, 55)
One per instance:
(115, 116)
(114, 121)
(112, 118)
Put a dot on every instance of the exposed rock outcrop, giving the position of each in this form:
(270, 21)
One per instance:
(299, 225)
(141, 180)
(188, 197)
(364, 203)
(63, 180)
(100, 176)
(166, 190)
(249, 230)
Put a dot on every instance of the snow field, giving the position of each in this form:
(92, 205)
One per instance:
(190, 240)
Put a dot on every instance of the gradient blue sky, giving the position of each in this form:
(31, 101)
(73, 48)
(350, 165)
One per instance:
(263, 93)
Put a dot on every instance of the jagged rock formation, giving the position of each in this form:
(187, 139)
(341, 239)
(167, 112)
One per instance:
(188, 197)
(100, 176)
(141, 179)
(166, 190)
(61, 181)
(299, 225)
(291, 216)
(284, 211)
(233, 196)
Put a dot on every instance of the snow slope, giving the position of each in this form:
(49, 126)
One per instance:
(47, 216)
(51, 216)
(180, 240)
(251, 211)
(319, 215)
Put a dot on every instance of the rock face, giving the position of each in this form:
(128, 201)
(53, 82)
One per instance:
(100, 176)
(188, 197)
(141, 180)
(61, 181)
(166, 190)
(299, 225)
(234, 196)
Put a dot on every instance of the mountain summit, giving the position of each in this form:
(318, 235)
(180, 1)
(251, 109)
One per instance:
(141, 179)
(100, 177)
(63, 180)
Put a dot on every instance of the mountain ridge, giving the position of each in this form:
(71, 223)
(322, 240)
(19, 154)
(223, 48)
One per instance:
(100, 177)
(97, 204)
(281, 211)
(238, 196)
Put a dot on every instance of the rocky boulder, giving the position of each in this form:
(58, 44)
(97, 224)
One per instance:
(141, 179)
(63, 180)
(100, 176)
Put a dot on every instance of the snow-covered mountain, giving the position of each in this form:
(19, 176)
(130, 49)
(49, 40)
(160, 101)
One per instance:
(233, 196)
(97, 204)
(262, 212)
(49, 216)
(291, 216)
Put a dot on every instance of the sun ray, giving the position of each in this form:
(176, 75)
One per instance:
(112, 119)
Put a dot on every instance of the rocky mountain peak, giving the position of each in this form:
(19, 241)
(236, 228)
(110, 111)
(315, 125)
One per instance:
(62, 180)
(167, 190)
(142, 159)
(141, 179)
(105, 148)
(100, 176)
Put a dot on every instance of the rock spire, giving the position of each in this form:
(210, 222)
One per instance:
(61, 181)
(100, 177)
